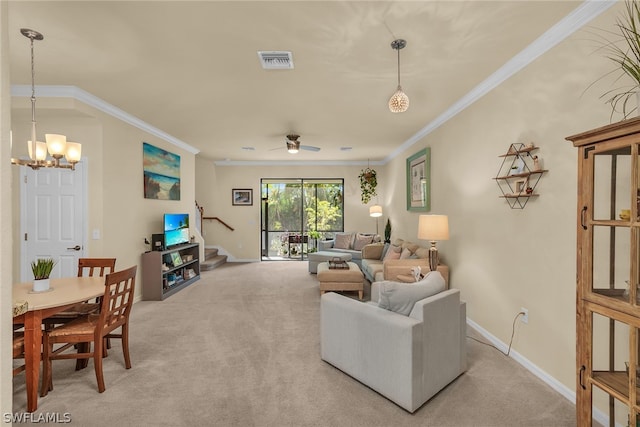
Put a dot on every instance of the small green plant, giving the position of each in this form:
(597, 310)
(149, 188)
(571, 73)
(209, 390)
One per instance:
(387, 232)
(42, 267)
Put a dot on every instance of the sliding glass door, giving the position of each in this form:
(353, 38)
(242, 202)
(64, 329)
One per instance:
(296, 213)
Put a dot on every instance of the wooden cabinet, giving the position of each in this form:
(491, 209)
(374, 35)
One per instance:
(519, 175)
(608, 300)
(166, 272)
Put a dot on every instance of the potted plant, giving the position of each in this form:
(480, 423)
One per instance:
(368, 184)
(41, 269)
(625, 54)
(387, 231)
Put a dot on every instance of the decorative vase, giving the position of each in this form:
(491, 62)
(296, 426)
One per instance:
(40, 285)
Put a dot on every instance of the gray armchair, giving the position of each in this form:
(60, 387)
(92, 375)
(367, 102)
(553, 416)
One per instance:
(407, 359)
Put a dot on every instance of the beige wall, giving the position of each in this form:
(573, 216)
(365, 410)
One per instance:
(6, 392)
(213, 192)
(112, 152)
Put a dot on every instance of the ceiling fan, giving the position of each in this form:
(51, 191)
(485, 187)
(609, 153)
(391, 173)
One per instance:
(293, 145)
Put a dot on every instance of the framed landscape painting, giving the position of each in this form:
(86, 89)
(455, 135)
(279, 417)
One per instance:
(242, 197)
(161, 170)
(418, 181)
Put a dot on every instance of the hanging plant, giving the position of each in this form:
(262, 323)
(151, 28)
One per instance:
(368, 184)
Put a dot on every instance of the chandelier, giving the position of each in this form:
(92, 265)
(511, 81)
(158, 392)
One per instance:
(56, 145)
(399, 102)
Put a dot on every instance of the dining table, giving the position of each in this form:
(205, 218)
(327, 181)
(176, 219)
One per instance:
(63, 293)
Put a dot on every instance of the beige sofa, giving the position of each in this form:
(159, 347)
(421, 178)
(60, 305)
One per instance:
(406, 358)
(375, 269)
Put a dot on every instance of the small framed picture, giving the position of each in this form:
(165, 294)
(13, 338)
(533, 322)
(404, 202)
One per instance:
(521, 186)
(242, 197)
(175, 259)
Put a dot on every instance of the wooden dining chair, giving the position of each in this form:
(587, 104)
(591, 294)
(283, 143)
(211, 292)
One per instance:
(18, 351)
(94, 328)
(87, 267)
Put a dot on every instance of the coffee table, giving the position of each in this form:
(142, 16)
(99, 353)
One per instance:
(347, 279)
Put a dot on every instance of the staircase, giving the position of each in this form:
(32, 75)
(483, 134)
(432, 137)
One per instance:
(212, 259)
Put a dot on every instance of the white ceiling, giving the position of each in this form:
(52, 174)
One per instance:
(191, 69)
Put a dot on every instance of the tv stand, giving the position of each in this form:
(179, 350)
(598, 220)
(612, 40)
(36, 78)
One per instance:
(166, 272)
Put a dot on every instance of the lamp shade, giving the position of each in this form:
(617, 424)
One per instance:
(433, 227)
(399, 102)
(57, 144)
(74, 152)
(375, 211)
(41, 151)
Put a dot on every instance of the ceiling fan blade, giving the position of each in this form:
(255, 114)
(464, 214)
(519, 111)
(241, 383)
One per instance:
(309, 148)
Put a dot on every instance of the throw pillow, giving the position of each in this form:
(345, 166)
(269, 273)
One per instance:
(361, 241)
(392, 253)
(343, 241)
(401, 297)
(405, 254)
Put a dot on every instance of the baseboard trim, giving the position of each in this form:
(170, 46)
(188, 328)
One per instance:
(565, 391)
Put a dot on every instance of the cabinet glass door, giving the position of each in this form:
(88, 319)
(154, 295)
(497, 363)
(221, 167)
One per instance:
(614, 237)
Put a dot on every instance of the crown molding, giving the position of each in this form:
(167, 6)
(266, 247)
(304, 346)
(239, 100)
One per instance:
(85, 97)
(575, 20)
(580, 16)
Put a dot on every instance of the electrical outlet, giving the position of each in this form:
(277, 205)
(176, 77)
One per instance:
(525, 315)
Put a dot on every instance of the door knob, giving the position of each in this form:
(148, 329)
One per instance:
(75, 248)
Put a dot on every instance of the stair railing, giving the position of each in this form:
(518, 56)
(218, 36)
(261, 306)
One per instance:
(201, 217)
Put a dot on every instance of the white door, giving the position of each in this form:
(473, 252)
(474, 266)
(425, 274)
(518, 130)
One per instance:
(53, 219)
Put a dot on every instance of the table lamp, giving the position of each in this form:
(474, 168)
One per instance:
(433, 228)
(375, 211)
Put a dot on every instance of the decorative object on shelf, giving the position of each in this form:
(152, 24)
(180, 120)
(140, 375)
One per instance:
(624, 52)
(161, 171)
(519, 174)
(57, 145)
(41, 269)
(433, 228)
(242, 197)
(387, 232)
(368, 183)
(418, 186)
(399, 102)
(176, 259)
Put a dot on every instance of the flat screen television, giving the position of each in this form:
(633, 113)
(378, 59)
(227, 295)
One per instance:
(176, 229)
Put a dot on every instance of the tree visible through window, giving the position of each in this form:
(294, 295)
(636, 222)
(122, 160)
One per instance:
(299, 211)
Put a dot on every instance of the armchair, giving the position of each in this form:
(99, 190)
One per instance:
(407, 359)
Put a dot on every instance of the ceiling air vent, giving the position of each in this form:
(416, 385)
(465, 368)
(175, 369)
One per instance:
(276, 60)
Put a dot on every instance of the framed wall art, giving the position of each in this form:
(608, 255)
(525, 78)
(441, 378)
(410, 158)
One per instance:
(161, 171)
(242, 197)
(419, 181)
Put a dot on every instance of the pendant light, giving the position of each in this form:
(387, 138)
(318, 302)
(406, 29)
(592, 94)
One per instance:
(57, 145)
(399, 102)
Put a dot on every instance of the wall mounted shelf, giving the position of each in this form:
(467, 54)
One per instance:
(519, 175)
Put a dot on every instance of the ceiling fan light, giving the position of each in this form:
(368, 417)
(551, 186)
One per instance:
(293, 146)
(399, 102)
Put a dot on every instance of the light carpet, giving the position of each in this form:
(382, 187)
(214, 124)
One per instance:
(240, 347)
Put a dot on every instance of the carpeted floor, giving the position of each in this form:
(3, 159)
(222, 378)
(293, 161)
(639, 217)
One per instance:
(240, 347)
